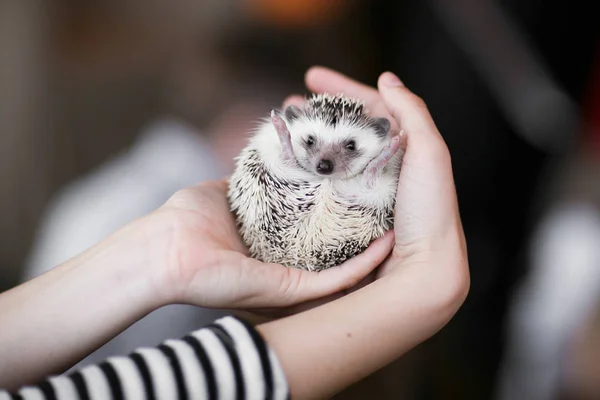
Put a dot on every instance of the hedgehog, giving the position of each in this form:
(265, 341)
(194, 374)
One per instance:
(316, 183)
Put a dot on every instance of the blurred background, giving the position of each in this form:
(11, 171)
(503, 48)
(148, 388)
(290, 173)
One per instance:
(108, 107)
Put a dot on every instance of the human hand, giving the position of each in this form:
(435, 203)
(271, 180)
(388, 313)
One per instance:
(416, 291)
(208, 265)
(427, 222)
(429, 240)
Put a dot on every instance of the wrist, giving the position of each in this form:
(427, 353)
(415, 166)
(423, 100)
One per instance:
(159, 237)
(135, 258)
(80, 304)
(441, 266)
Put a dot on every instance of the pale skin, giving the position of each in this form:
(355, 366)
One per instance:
(188, 252)
(417, 289)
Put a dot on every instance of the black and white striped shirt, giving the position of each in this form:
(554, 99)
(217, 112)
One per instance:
(225, 360)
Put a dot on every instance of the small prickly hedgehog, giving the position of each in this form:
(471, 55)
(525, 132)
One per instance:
(316, 185)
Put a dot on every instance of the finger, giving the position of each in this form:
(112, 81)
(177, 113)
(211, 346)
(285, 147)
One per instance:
(408, 109)
(293, 100)
(321, 79)
(426, 198)
(313, 285)
(281, 312)
(279, 286)
(425, 146)
(222, 184)
(325, 80)
(310, 304)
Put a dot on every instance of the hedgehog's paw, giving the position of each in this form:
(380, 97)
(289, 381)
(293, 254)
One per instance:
(376, 166)
(285, 138)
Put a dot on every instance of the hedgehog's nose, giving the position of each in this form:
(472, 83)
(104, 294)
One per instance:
(325, 167)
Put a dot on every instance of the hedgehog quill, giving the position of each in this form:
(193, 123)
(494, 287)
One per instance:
(316, 184)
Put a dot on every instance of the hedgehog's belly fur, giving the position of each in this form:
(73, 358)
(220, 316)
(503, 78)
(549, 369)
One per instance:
(301, 224)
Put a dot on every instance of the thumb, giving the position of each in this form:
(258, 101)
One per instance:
(413, 117)
(313, 285)
(426, 197)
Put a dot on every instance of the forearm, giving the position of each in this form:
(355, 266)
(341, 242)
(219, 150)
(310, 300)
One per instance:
(225, 360)
(56, 319)
(330, 347)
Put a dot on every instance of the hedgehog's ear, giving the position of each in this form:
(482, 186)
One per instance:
(291, 113)
(382, 126)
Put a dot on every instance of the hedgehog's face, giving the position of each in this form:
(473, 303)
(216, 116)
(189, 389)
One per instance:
(337, 151)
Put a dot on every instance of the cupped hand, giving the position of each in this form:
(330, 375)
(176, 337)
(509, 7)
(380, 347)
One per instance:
(208, 265)
(429, 247)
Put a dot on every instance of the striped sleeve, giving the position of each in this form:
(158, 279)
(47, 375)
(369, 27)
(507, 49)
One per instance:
(225, 360)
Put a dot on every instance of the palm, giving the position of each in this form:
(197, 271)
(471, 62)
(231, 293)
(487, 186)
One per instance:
(426, 205)
(209, 257)
(207, 212)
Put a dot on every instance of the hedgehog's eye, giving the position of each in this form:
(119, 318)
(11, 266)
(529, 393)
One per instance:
(351, 145)
(310, 141)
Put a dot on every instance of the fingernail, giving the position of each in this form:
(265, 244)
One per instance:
(391, 80)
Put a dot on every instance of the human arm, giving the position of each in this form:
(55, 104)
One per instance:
(54, 320)
(225, 360)
(419, 288)
(186, 252)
